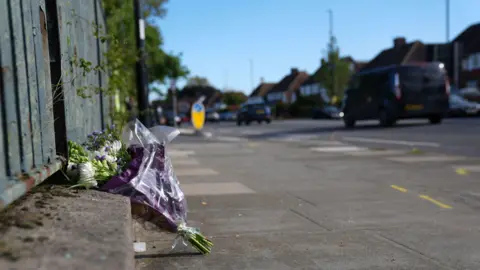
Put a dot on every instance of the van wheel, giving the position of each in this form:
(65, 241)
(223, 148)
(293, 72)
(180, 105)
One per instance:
(239, 123)
(349, 122)
(386, 120)
(247, 122)
(268, 121)
(435, 119)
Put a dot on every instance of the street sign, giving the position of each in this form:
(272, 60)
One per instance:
(198, 115)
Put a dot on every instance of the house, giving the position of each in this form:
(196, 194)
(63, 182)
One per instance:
(258, 94)
(355, 66)
(286, 89)
(461, 56)
(468, 53)
(401, 53)
(311, 87)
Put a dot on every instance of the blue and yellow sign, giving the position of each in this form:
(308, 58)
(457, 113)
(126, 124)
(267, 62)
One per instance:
(198, 115)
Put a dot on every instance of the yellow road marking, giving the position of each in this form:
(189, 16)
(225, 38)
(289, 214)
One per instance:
(442, 205)
(399, 188)
(461, 171)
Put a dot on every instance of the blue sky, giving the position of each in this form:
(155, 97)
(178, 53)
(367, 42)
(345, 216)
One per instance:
(219, 38)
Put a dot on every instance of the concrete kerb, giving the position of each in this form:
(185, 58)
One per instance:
(54, 227)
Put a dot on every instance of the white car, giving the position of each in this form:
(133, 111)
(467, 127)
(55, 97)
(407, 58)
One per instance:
(213, 117)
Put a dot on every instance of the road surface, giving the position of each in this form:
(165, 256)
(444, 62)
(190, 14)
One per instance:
(324, 203)
(455, 136)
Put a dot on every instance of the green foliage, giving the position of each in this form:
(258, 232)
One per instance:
(122, 53)
(197, 81)
(234, 98)
(334, 72)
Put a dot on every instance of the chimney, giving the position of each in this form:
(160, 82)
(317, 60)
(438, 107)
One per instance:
(294, 71)
(399, 42)
(262, 80)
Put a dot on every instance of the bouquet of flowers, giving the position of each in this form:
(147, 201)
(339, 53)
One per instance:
(135, 163)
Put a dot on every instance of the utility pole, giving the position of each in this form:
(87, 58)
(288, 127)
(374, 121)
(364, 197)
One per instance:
(447, 20)
(142, 84)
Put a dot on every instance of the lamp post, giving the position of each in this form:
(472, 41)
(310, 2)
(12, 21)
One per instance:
(142, 88)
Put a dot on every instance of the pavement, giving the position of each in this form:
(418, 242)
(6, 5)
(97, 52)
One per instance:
(323, 202)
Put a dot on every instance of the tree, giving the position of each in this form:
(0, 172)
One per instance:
(123, 51)
(234, 98)
(334, 72)
(197, 81)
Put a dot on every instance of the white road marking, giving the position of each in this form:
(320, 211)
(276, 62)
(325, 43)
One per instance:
(373, 153)
(194, 171)
(196, 189)
(180, 153)
(381, 141)
(293, 138)
(180, 162)
(470, 168)
(230, 139)
(422, 158)
(337, 149)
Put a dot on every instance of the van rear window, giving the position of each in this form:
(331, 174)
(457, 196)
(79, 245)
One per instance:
(421, 79)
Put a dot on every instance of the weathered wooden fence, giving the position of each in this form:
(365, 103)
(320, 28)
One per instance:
(40, 109)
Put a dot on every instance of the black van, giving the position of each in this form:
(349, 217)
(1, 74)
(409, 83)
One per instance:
(397, 92)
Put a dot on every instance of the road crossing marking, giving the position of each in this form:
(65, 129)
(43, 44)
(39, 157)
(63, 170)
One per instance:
(202, 189)
(381, 141)
(416, 159)
(337, 149)
(368, 153)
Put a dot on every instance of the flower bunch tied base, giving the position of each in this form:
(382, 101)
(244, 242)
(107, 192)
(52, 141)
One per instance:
(195, 238)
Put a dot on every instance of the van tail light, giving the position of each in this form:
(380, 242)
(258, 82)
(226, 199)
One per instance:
(397, 89)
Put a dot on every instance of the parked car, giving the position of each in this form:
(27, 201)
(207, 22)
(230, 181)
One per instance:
(327, 112)
(228, 116)
(213, 117)
(169, 119)
(254, 112)
(397, 92)
(459, 106)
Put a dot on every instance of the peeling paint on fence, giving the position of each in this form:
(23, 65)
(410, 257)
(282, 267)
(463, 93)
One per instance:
(37, 41)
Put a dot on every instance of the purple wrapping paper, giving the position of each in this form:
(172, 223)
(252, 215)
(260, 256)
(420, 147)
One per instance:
(149, 178)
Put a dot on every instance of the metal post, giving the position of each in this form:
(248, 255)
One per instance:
(447, 20)
(173, 87)
(142, 88)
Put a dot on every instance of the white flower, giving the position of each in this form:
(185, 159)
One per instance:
(110, 158)
(87, 175)
(116, 146)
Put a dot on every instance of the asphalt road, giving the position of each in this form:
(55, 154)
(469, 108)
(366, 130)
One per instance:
(458, 136)
(321, 204)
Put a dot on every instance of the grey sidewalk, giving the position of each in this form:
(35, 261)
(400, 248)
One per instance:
(289, 207)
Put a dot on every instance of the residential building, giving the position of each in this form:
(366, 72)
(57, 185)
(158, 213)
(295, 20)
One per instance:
(259, 93)
(469, 51)
(287, 88)
(311, 87)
